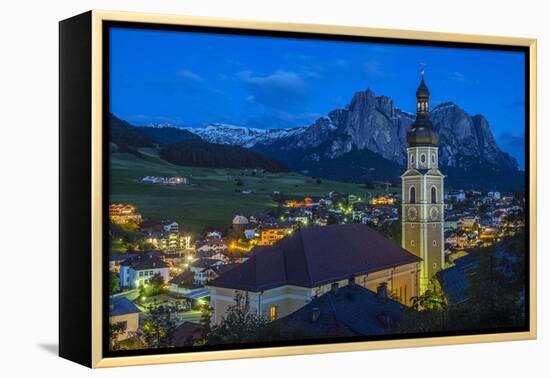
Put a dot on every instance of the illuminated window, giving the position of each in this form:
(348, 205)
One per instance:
(273, 313)
(412, 195)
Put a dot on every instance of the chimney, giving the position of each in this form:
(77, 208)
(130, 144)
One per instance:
(315, 314)
(351, 281)
(334, 288)
(382, 292)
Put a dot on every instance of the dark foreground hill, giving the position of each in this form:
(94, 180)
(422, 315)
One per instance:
(168, 135)
(198, 153)
(182, 147)
(124, 137)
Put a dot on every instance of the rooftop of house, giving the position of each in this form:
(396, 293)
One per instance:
(121, 256)
(315, 256)
(210, 242)
(350, 311)
(186, 334)
(182, 277)
(121, 306)
(204, 263)
(146, 261)
(222, 268)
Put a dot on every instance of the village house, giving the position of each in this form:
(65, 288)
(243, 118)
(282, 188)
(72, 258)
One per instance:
(186, 334)
(123, 312)
(123, 214)
(177, 180)
(239, 222)
(139, 270)
(212, 272)
(171, 226)
(348, 311)
(382, 200)
(184, 283)
(215, 245)
(250, 233)
(199, 268)
(169, 242)
(214, 235)
(269, 235)
(213, 255)
(259, 219)
(458, 196)
(151, 226)
(116, 259)
(467, 223)
(306, 202)
(283, 278)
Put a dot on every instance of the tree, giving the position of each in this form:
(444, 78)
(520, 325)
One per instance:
(115, 330)
(158, 327)
(205, 321)
(493, 298)
(145, 245)
(239, 325)
(430, 300)
(332, 219)
(114, 283)
(155, 286)
(392, 231)
(157, 280)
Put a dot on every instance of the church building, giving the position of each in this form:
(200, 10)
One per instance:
(422, 193)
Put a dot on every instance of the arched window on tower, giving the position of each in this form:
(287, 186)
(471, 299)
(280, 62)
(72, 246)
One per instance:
(412, 195)
(434, 194)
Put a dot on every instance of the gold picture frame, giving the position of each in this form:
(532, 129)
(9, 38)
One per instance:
(96, 21)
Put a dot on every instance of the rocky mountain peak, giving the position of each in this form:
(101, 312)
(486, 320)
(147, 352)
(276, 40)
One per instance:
(374, 123)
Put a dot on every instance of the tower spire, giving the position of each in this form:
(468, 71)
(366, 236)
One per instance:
(422, 195)
(421, 131)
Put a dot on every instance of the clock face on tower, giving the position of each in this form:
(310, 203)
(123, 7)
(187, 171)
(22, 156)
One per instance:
(434, 213)
(412, 213)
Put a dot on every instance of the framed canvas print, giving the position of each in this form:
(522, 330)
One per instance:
(234, 189)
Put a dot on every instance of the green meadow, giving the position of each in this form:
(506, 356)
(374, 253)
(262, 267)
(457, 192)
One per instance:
(210, 199)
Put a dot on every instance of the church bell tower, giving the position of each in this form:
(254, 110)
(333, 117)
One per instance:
(422, 203)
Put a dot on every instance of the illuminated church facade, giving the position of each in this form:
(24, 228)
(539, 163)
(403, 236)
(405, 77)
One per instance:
(422, 206)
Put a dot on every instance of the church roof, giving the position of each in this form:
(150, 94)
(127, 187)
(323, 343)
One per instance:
(422, 88)
(422, 132)
(315, 256)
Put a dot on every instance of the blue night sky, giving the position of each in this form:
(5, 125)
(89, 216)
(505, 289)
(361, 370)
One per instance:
(193, 79)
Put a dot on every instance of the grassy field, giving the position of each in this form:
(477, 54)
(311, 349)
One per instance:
(211, 199)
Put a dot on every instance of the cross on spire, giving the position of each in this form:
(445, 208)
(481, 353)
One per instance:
(422, 69)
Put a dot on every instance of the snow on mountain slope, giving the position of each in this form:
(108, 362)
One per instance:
(247, 137)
